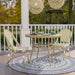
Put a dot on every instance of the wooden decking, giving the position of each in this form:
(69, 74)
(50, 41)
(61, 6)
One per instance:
(6, 70)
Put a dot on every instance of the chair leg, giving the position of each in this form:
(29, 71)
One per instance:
(38, 48)
(12, 57)
(38, 53)
(49, 57)
(23, 60)
(69, 52)
(49, 53)
(32, 50)
(28, 57)
(54, 53)
(60, 51)
(31, 55)
(64, 55)
(7, 59)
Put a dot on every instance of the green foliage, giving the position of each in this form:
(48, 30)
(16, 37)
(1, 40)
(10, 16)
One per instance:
(12, 15)
(42, 18)
(54, 18)
(39, 18)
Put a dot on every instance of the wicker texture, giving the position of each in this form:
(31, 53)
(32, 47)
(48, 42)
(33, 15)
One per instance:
(10, 38)
(56, 4)
(36, 6)
(64, 44)
(66, 35)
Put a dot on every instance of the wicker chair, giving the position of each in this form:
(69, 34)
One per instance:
(11, 48)
(64, 44)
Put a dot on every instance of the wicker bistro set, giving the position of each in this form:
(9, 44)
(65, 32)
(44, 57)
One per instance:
(64, 35)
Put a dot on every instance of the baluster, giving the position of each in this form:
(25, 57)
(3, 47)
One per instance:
(30, 38)
(51, 31)
(12, 29)
(54, 31)
(35, 32)
(4, 37)
(16, 34)
(72, 36)
(20, 32)
(70, 29)
(45, 33)
(42, 38)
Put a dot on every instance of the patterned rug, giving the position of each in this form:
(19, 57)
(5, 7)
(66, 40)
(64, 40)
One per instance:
(42, 66)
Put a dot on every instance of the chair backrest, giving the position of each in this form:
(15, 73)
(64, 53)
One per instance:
(9, 37)
(66, 35)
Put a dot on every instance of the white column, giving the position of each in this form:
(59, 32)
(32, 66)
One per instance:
(25, 41)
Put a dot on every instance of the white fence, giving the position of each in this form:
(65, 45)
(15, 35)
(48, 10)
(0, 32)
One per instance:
(15, 29)
(47, 28)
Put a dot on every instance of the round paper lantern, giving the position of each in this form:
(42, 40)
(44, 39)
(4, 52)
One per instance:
(56, 4)
(36, 6)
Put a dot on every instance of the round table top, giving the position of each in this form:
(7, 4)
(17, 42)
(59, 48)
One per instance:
(42, 35)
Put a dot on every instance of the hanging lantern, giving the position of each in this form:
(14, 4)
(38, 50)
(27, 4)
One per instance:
(56, 4)
(36, 6)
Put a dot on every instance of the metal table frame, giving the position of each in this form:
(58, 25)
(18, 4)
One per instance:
(42, 36)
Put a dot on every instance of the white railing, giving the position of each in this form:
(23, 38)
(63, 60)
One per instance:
(47, 28)
(15, 29)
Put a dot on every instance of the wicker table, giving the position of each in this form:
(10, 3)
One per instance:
(41, 36)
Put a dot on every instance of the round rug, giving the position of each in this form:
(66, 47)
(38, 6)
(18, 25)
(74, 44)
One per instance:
(42, 66)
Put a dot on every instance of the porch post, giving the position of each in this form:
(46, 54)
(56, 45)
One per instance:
(25, 23)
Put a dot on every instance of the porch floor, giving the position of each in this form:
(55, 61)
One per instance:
(6, 70)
